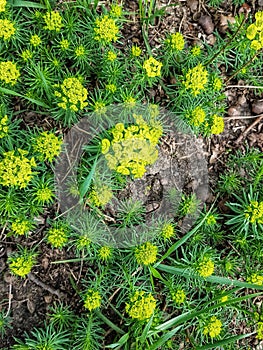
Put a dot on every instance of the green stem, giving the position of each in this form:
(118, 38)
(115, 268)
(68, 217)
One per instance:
(108, 322)
(244, 66)
(227, 43)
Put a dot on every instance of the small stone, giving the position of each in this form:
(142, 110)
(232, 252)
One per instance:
(45, 263)
(211, 39)
(260, 2)
(207, 24)
(233, 111)
(48, 299)
(257, 107)
(193, 5)
(31, 306)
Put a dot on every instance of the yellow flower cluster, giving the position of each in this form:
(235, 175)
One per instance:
(197, 116)
(260, 330)
(136, 51)
(129, 102)
(132, 148)
(254, 212)
(196, 51)
(100, 195)
(20, 226)
(3, 126)
(255, 279)
(217, 84)
(196, 79)
(146, 254)
(73, 95)
(92, 300)
(83, 242)
(64, 44)
(141, 306)
(210, 220)
(213, 327)
(35, 40)
(9, 73)
(111, 56)
(99, 107)
(178, 296)
(57, 237)
(44, 195)
(26, 55)
(218, 124)
(105, 29)
(152, 67)
(104, 253)
(111, 88)
(7, 29)
(2, 5)
(167, 231)
(116, 10)
(47, 145)
(53, 21)
(255, 32)
(205, 267)
(176, 41)
(16, 170)
(80, 51)
(21, 265)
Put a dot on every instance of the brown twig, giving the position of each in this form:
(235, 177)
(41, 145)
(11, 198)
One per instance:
(251, 126)
(41, 284)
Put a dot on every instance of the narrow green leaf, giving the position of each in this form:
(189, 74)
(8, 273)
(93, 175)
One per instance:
(84, 187)
(226, 341)
(14, 93)
(161, 341)
(181, 241)
(22, 3)
(146, 330)
(108, 322)
(211, 279)
(121, 342)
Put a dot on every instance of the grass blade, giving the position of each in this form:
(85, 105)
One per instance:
(226, 341)
(14, 93)
(84, 187)
(22, 3)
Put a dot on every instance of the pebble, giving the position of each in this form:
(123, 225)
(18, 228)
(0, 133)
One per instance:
(207, 24)
(257, 107)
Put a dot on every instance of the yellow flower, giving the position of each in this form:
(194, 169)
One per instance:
(53, 21)
(64, 44)
(129, 102)
(20, 227)
(111, 87)
(104, 253)
(152, 67)
(7, 29)
(210, 220)
(105, 29)
(16, 170)
(254, 212)
(26, 55)
(196, 79)
(213, 327)
(48, 145)
(217, 84)
(136, 51)
(146, 254)
(2, 5)
(116, 10)
(196, 51)
(73, 95)
(178, 296)
(176, 41)
(167, 231)
(4, 126)
(44, 195)
(251, 31)
(217, 124)
(9, 73)
(57, 237)
(111, 56)
(105, 146)
(35, 40)
(22, 264)
(260, 330)
(100, 195)
(92, 300)
(99, 107)
(197, 116)
(80, 51)
(205, 267)
(141, 306)
(255, 279)
(256, 45)
(83, 242)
